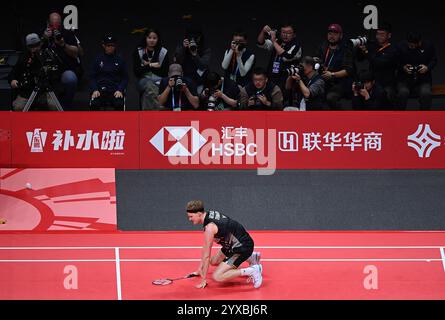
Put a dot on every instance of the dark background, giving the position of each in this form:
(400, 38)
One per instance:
(287, 200)
(219, 19)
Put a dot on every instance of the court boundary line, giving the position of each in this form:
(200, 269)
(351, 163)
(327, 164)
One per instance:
(442, 254)
(200, 247)
(118, 274)
(197, 260)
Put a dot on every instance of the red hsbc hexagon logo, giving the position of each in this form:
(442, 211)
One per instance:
(178, 141)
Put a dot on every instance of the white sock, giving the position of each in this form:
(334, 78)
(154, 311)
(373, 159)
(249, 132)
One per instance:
(247, 271)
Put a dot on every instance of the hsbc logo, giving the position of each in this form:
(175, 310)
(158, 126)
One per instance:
(178, 141)
(424, 141)
(36, 140)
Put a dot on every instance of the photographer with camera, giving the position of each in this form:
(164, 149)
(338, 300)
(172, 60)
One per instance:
(306, 86)
(367, 93)
(25, 75)
(382, 56)
(337, 66)
(150, 66)
(261, 93)
(193, 55)
(220, 93)
(285, 49)
(177, 92)
(416, 63)
(66, 47)
(109, 77)
(238, 60)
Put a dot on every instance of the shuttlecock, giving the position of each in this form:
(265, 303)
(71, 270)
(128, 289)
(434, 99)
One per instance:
(28, 185)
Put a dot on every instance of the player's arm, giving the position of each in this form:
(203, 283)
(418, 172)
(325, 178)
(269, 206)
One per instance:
(209, 233)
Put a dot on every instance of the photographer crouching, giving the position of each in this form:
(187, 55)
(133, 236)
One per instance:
(26, 74)
(261, 93)
(220, 93)
(306, 86)
(367, 94)
(66, 48)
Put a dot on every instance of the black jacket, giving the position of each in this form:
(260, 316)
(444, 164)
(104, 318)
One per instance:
(383, 62)
(109, 73)
(376, 101)
(336, 60)
(26, 72)
(426, 55)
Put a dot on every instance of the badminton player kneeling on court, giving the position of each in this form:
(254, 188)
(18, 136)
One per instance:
(237, 247)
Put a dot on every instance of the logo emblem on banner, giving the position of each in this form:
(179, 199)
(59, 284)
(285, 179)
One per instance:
(424, 141)
(178, 141)
(36, 140)
(288, 141)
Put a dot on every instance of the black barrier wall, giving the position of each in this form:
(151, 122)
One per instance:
(287, 200)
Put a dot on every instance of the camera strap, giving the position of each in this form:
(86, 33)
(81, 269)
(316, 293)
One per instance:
(384, 47)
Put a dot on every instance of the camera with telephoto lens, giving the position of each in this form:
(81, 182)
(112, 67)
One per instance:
(359, 41)
(294, 70)
(414, 72)
(179, 83)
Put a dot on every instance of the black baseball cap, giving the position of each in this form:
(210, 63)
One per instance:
(109, 39)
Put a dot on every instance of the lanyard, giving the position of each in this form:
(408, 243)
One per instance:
(384, 47)
(179, 100)
(327, 55)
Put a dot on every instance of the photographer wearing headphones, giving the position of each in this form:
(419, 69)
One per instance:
(382, 56)
(337, 66)
(24, 76)
(238, 60)
(220, 93)
(285, 49)
(416, 63)
(367, 93)
(177, 92)
(261, 93)
(193, 55)
(306, 86)
(66, 46)
(109, 77)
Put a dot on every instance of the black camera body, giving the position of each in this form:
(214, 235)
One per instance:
(359, 85)
(240, 45)
(295, 70)
(193, 44)
(179, 83)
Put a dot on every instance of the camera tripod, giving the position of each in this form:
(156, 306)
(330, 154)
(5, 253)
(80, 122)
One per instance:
(43, 87)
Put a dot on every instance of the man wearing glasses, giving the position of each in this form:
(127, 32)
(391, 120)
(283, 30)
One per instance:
(286, 51)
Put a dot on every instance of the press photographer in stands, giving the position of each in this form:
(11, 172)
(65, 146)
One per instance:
(109, 78)
(306, 86)
(238, 60)
(193, 55)
(220, 93)
(337, 66)
(177, 92)
(150, 61)
(367, 93)
(285, 51)
(24, 76)
(416, 62)
(66, 46)
(382, 56)
(261, 93)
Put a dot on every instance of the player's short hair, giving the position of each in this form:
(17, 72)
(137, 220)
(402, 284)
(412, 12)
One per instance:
(195, 206)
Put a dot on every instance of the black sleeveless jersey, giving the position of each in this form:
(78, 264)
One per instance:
(231, 234)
